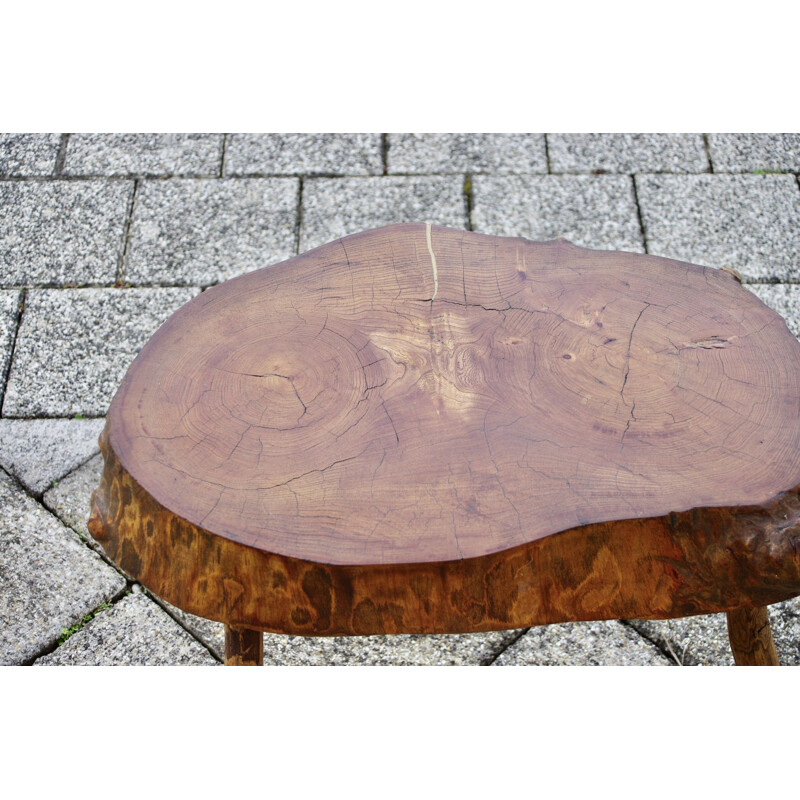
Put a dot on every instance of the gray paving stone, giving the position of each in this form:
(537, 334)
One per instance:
(40, 451)
(9, 310)
(211, 633)
(48, 579)
(748, 222)
(199, 232)
(783, 298)
(75, 345)
(751, 152)
(627, 152)
(591, 211)
(303, 154)
(135, 154)
(690, 641)
(133, 632)
(28, 154)
(430, 153)
(703, 640)
(336, 207)
(461, 649)
(70, 498)
(608, 643)
(62, 232)
(399, 650)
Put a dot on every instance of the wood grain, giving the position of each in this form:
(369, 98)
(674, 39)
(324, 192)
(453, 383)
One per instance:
(243, 647)
(751, 638)
(420, 429)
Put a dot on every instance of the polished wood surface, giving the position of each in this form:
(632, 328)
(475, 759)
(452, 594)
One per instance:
(751, 638)
(421, 429)
(243, 647)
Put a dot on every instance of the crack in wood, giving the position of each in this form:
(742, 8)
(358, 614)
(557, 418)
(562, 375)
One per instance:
(433, 261)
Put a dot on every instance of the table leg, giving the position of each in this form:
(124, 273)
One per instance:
(751, 639)
(243, 647)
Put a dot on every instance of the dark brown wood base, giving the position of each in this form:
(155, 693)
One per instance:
(751, 638)
(243, 647)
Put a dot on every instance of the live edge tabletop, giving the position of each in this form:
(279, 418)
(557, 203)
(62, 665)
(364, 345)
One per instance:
(417, 429)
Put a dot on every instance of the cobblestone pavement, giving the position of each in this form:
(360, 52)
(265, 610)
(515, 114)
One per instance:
(102, 237)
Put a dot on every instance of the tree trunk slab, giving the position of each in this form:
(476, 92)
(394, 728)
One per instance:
(417, 429)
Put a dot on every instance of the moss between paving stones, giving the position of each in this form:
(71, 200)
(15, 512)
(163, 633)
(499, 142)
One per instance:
(134, 632)
(67, 632)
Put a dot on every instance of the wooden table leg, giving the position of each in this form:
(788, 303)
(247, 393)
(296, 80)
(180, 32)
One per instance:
(243, 647)
(751, 638)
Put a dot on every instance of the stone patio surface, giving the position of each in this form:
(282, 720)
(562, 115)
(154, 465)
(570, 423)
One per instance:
(102, 237)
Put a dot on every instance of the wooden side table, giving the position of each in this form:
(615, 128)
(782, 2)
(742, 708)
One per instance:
(417, 429)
